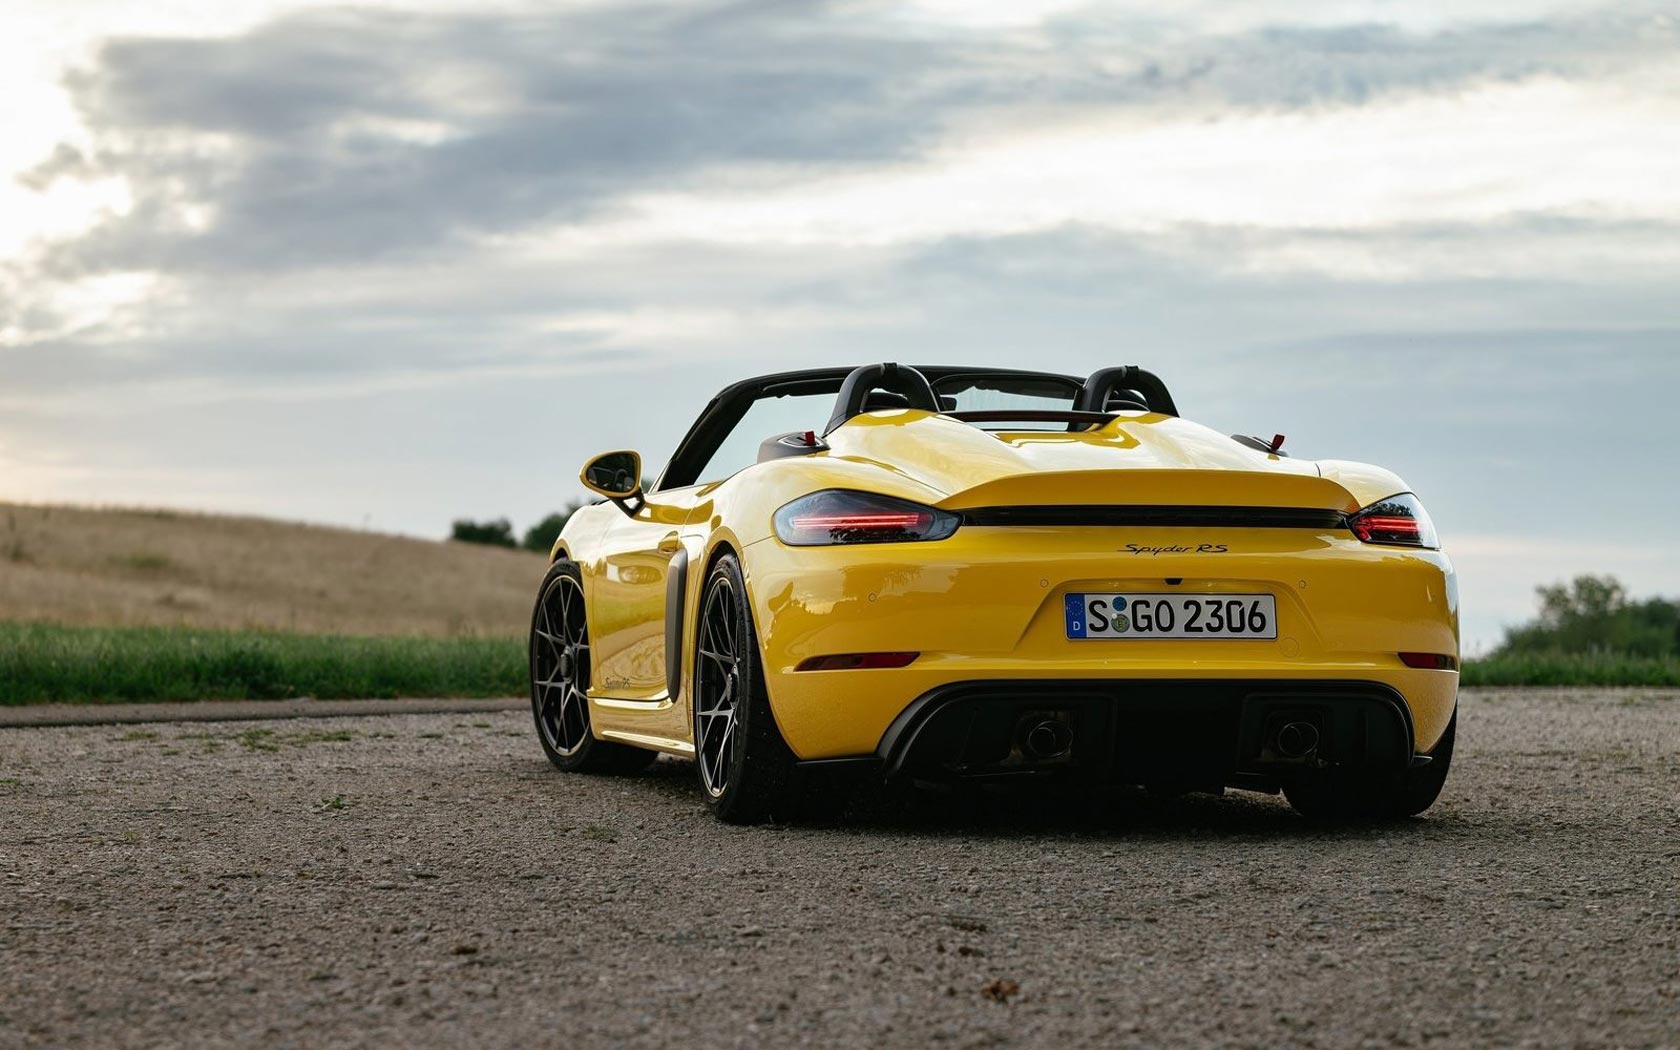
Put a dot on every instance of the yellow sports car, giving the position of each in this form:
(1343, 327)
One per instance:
(972, 574)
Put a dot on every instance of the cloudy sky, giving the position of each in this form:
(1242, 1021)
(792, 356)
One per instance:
(392, 263)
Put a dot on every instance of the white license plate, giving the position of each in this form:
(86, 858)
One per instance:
(1171, 616)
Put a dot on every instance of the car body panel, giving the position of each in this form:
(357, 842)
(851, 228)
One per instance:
(626, 560)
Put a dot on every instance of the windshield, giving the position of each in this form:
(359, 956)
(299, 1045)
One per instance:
(767, 418)
(992, 393)
(726, 437)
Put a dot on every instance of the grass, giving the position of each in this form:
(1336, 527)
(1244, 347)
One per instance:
(42, 663)
(1576, 669)
(144, 562)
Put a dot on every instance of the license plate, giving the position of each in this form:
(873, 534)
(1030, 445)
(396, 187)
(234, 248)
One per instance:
(1171, 616)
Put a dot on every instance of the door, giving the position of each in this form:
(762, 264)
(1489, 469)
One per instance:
(642, 558)
(628, 595)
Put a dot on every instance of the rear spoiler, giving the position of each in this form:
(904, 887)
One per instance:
(1157, 488)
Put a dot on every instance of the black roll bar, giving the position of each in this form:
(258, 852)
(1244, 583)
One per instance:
(894, 378)
(1090, 407)
(1094, 395)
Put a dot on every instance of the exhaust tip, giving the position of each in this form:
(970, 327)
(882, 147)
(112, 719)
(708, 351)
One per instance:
(1297, 740)
(1047, 739)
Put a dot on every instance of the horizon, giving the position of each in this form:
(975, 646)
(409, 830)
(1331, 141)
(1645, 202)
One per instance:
(381, 266)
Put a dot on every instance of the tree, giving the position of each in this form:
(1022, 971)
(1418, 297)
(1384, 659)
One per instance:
(541, 536)
(1587, 598)
(1592, 614)
(497, 533)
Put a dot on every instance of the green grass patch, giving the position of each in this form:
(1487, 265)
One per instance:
(1577, 669)
(42, 663)
(145, 562)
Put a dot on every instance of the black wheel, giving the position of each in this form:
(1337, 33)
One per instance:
(1337, 795)
(746, 769)
(1423, 785)
(560, 669)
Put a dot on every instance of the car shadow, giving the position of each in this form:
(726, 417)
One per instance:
(1045, 811)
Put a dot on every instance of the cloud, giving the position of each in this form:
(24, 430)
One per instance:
(355, 136)
(1084, 293)
(419, 263)
(331, 137)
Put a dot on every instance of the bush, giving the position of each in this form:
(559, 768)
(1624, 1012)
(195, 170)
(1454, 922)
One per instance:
(498, 533)
(1592, 615)
(1588, 633)
(1573, 669)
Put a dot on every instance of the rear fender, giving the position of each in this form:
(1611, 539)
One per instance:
(1366, 483)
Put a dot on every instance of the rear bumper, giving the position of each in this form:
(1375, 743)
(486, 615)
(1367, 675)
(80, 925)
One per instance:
(1181, 733)
(988, 606)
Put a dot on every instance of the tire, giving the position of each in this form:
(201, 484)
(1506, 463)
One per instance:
(1337, 795)
(560, 667)
(1423, 785)
(747, 772)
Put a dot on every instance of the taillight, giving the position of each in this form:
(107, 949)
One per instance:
(1398, 521)
(840, 516)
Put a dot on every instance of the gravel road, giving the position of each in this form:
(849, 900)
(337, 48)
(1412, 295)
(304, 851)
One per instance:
(428, 880)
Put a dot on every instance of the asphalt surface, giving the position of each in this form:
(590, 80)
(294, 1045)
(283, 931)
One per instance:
(428, 880)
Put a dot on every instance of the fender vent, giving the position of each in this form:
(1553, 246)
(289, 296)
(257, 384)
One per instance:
(1159, 516)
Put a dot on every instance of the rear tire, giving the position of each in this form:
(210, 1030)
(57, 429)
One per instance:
(747, 772)
(561, 666)
(1423, 784)
(1338, 795)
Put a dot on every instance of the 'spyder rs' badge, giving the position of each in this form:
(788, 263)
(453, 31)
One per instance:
(1155, 552)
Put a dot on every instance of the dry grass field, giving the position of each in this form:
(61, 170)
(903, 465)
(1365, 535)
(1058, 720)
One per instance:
(89, 566)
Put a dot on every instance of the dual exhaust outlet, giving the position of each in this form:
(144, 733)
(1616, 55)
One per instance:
(1297, 740)
(1046, 739)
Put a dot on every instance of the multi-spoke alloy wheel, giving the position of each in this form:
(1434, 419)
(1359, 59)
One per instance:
(745, 766)
(717, 687)
(560, 667)
(561, 663)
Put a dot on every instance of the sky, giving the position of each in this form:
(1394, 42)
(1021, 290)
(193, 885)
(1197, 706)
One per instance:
(389, 264)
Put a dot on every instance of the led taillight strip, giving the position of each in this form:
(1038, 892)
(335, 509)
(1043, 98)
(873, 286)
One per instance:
(861, 521)
(1408, 526)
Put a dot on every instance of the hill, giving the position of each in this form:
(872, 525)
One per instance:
(112, 567)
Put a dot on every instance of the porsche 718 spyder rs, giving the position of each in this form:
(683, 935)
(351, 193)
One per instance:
(965, 574)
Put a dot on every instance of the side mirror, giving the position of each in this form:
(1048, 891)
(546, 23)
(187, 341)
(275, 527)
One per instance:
(615, 475)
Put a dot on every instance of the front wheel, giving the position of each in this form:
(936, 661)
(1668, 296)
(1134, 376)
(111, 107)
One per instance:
(746, 768)
(560, 672)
